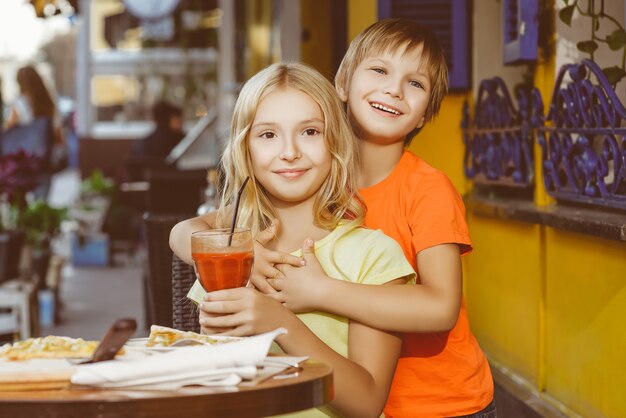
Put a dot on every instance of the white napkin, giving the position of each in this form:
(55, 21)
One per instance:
(224, 364)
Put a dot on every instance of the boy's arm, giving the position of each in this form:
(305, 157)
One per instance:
(361, 381)
(265, 260)
(430, 306)
(180, 235)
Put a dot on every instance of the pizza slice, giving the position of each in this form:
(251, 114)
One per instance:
(161, 336)
(50, 347)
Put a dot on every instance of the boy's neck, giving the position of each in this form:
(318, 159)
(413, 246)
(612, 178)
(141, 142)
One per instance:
(378, 161)
(296, 224)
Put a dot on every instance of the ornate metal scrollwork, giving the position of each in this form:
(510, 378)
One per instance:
(499, 139)
(582, 141)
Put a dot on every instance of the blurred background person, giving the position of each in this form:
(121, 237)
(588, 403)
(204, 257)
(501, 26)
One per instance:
(166, 135)
(33, 101)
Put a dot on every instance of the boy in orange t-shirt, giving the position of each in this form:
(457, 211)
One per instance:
(393, 79)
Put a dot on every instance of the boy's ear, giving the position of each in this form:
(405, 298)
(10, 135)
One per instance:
(421, 122)
(342, 93)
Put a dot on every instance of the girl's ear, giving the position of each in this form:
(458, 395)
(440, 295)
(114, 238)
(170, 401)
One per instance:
(343, 95)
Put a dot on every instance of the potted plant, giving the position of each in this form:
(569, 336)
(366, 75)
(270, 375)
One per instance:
(95, 197)
(90, 245)
(40, 223)
(97, 185)
(19, 174)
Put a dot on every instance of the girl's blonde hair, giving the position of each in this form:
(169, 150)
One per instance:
(337, 200)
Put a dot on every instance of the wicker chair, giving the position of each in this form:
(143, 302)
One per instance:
(159, 279)
(184, 311)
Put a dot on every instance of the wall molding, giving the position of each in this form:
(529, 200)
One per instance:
(582, 220)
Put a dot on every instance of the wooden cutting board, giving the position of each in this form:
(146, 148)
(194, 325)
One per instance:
(35, 375)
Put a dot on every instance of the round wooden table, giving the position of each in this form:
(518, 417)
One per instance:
(312, 386)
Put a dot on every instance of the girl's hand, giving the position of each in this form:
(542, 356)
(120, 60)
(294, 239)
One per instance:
(301, 289)
(242, 311)
(265, 260)
(203, 315)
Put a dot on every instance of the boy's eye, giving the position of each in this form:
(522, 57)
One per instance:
(311, 132)
(417, 84)
(268, 135)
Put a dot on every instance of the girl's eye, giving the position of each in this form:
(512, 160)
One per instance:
(311, 132)
(268, 135)
(417, 84)
(379, 70)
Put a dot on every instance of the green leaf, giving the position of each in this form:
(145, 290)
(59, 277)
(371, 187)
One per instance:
(617, 39)
(566, 13)
(587, 46)
(614, 74)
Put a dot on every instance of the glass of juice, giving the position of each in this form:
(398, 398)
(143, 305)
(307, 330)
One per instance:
(221, 264)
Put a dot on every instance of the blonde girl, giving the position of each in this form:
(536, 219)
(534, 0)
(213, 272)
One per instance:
(289, 134)
(336, 200)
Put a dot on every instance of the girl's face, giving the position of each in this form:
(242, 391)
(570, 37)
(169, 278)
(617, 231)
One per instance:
(287, 147)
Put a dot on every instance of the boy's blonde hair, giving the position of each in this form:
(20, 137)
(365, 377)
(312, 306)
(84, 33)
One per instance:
(337, 199)
(392, 35)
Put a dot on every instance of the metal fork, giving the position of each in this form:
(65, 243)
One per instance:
(184, 342)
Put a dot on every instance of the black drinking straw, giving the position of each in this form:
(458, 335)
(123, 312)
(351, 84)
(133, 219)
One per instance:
(232, 227)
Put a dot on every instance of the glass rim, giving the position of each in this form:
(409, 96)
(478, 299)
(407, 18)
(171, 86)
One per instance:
(219, 231)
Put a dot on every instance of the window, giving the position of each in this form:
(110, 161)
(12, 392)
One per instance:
(520, 27)
(449, 19)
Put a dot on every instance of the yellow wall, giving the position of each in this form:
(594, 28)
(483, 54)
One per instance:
(440, 141)
(503, 290)
(544, 79)
(361, 14)
(506, 279)
(546, 305)
(259, 24)
(585, 332)
(315, 19)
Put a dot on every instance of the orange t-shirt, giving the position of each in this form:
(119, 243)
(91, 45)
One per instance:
(442, 374)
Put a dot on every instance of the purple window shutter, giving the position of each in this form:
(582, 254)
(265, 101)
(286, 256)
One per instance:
(519, 31)
(449, 19)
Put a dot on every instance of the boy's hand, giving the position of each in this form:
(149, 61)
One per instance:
(241, 311)
(265, 260)
(302, 288)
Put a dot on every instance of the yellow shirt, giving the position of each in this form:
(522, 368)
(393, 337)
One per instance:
(360, 255)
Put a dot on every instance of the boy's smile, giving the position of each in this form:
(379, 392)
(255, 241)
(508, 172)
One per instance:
(388, 95)
(385, 109)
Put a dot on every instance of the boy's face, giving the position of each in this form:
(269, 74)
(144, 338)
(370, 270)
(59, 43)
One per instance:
(388, 96)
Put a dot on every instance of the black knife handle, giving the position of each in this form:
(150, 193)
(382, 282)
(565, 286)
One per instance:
(114, 339)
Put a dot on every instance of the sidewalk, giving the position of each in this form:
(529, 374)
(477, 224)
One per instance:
(94, 297)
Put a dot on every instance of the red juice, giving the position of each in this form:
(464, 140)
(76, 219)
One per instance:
(223, 270)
